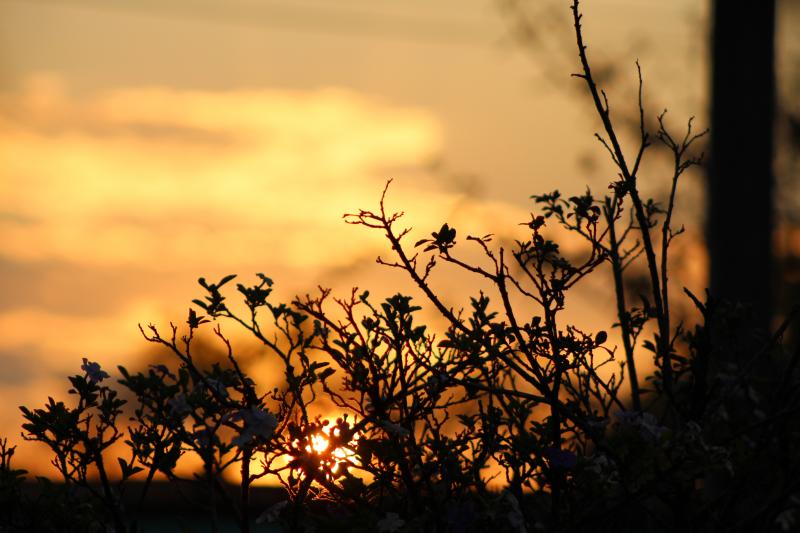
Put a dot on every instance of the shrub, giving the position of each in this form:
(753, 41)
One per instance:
(510, 419)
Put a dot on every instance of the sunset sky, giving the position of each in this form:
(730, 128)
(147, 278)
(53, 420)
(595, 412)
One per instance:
(146, 143)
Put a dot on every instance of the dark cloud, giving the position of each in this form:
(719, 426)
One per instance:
(11, 217)
(70, 289)
(72, 119)
(21, 366)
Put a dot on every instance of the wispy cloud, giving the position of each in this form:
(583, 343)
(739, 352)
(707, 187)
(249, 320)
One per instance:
(154, 176)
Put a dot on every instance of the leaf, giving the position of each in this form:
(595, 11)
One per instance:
(326, 373)
(265, 279)
(195, 320)
(226, 279)
(124, 468)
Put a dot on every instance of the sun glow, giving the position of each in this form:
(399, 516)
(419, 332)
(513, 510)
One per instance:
(320, 446)
(316, 447)
(334, 459)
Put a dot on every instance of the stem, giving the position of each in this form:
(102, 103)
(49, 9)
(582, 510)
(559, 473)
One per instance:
(119, 524)
(622, 310)
(211, 494)
(245, 494)
(663, 350)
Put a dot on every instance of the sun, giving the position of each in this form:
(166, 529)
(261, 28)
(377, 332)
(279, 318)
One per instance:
(320, 445)
(316, 444)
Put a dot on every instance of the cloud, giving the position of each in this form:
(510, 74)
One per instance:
(16, 368)
(155, 177)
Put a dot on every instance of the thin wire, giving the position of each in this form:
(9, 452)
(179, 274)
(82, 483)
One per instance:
(294, 17)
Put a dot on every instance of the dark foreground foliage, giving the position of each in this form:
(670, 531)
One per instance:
(511, 419)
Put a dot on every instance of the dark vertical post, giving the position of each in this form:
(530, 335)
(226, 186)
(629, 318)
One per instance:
(740, 213)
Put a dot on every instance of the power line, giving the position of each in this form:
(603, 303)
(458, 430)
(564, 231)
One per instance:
(294, 17)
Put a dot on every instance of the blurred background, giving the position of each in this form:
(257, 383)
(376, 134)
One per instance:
(146, 143)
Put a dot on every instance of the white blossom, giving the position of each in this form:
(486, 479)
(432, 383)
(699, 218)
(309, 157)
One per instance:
(163, 370)
(179, 407)
(395, 429)
(515, 518)
(272, 513)
(203, 437)
(645, 423)
(93, 371)
(786, 520)
(391, 523)
(257, 423)
(219, 387)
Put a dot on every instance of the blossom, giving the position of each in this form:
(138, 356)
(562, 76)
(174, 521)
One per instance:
(561, 458)
(786, 520)
(93, 371)
(645, 423)
(599, 464)
(395, 429)
(391, 523)
(163, 370)
(515, 516)
(257, 423)
(204, 437)
(217, 386)
(437, 383)
(272, 513)
(179, 407)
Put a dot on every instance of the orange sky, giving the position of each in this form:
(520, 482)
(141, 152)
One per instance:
(144, 145)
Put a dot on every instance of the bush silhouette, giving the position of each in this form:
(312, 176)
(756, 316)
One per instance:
(510, 420)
